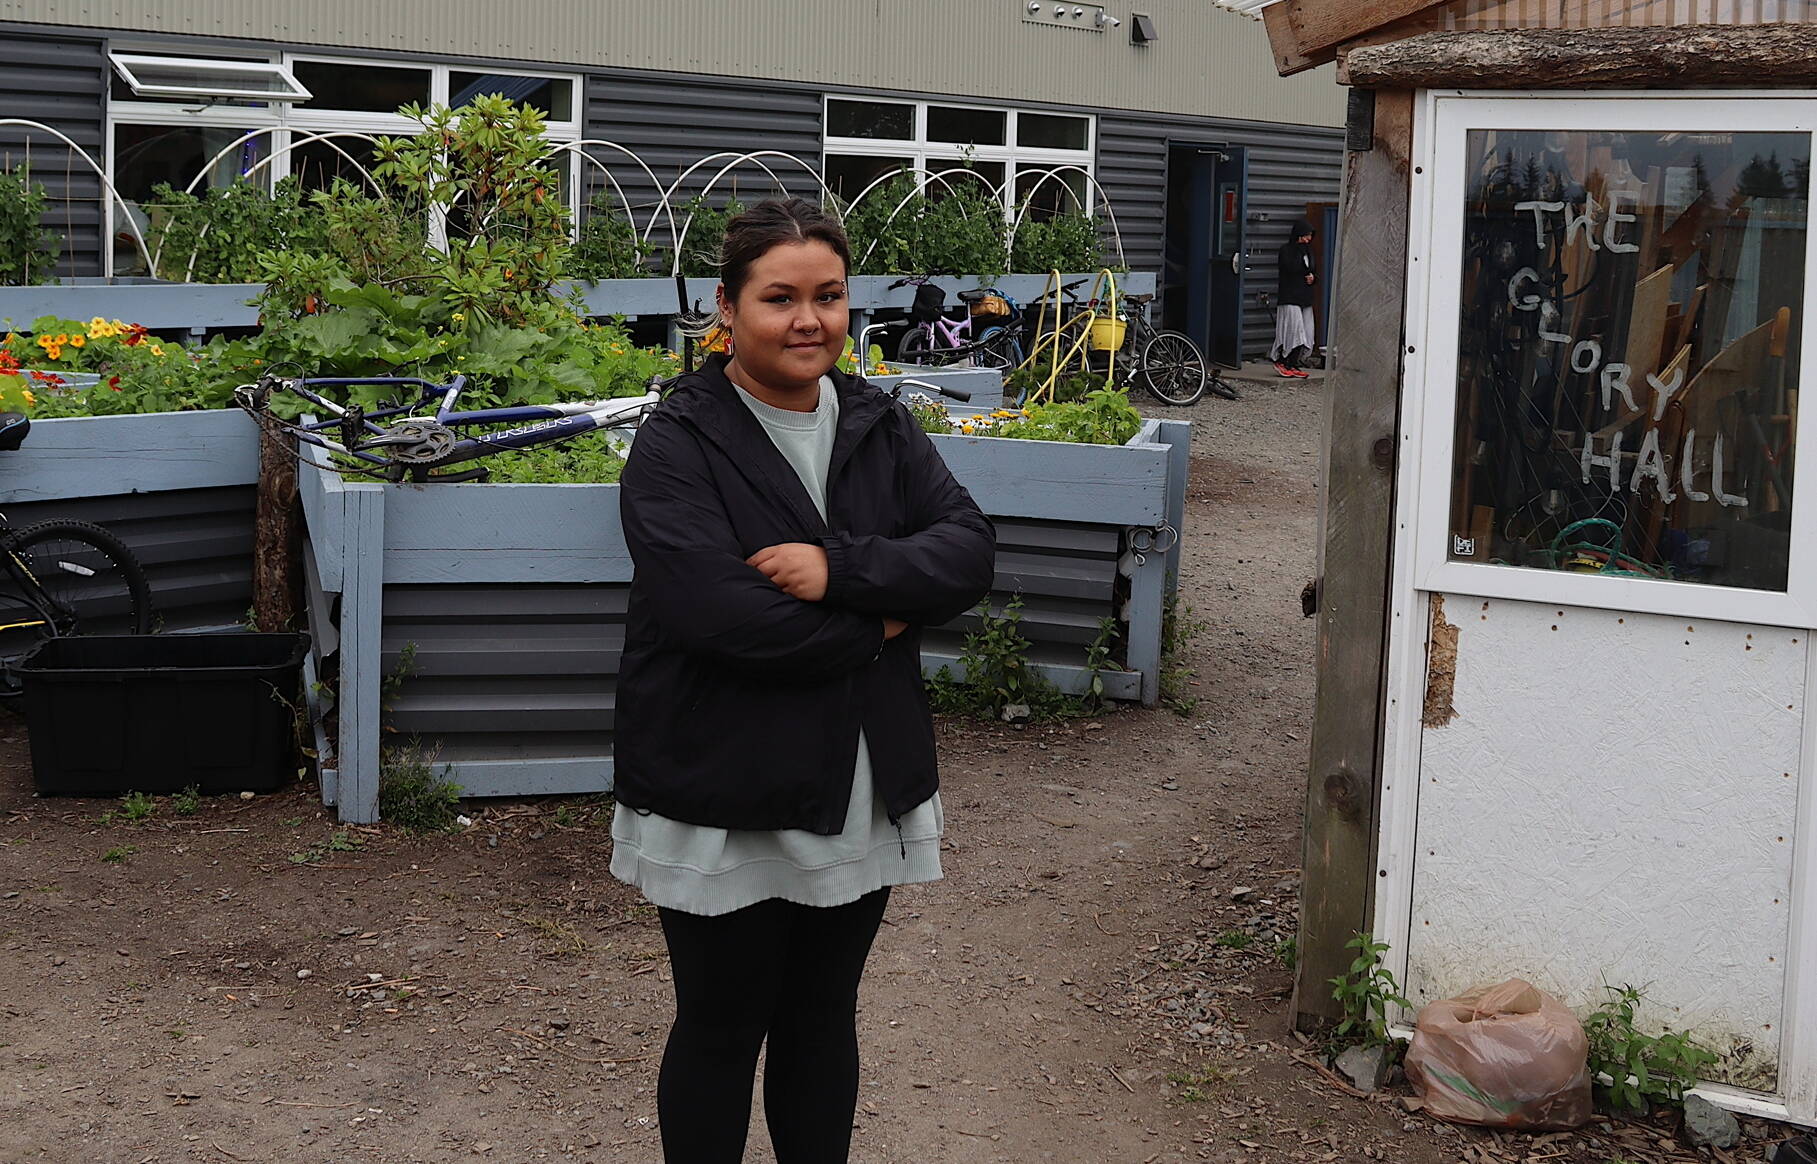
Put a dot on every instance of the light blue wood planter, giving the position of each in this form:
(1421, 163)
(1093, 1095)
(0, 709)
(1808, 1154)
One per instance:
(512, 599)
(177, 487)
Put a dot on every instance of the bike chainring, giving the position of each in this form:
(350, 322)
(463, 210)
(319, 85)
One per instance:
(414, 442)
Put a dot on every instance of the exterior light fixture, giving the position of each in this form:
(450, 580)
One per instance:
(1106, 20)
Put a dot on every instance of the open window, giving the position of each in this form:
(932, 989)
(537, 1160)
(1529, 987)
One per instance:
(156, 77)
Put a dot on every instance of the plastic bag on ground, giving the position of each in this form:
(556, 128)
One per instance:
(1507, 1056)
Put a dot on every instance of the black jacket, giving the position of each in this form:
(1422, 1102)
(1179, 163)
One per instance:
(738, 706)
(1295, 261)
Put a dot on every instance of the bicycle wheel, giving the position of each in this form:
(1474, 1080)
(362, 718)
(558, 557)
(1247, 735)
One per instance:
(70, 577)
(1172, 368)
(915, 347)
(998, 348)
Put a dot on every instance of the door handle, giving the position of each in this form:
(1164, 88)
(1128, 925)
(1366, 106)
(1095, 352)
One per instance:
(1236, 262)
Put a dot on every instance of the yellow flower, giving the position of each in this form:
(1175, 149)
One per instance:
(156, 350)
(99, 328)
(77, 340)
(60, 340)
(47, 342)
(54, 351)
(460, 317)
(27, 396)
(119, 327)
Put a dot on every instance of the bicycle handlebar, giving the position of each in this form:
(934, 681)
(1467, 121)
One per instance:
(950, 393)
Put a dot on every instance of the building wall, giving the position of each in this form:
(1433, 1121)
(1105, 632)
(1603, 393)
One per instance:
(62, 84)
(1289, 166)
(1207, 62)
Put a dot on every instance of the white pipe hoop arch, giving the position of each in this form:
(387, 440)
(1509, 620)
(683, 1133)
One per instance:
(655, 182)
(737, 160)
(144, 251)
(921, 192)
(1053, 174)
(898, 172)
(301, 138)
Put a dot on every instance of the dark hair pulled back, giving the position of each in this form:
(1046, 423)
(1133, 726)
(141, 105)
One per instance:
(773, 223)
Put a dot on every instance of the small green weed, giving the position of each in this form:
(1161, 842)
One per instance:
(340, 841)
(1365, 991)
(1196, 1086)
(187, 802)
(393, 682)
(557, 938)
(136, 807)
(1097, 660)
(119, 855)
(1639, 1066)
(1235, 940)
(1287, 952)
(997, 674)
(1178, 628)
(412, 795)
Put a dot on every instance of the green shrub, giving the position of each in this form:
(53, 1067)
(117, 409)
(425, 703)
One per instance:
(28, 251)
(413, 795)
(1066, 242)
(1640, 1067)
(217, 236)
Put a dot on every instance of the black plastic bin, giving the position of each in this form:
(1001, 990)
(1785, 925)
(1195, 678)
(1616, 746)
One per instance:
(111, 714)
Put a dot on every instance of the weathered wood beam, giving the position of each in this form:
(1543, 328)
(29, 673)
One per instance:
(1305, 33)
(1688, 57)
(1356, 538)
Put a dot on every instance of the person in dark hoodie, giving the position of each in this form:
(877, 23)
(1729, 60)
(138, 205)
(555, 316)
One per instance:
(1293, 326)
(792, 530)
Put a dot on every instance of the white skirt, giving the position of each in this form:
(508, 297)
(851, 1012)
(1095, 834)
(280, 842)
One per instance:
(1292, 329)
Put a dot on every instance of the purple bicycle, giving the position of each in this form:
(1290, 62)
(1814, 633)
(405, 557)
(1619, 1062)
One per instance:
(933, 339)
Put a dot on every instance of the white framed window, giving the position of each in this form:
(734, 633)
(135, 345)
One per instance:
(153, 138)
(1604, 383)
(1011, 149)
(203, 79)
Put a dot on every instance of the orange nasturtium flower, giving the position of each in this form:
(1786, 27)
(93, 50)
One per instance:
(77, 340)
(54, 351)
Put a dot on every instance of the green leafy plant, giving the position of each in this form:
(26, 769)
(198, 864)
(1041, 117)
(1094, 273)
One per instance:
(899, 229)
(119, 855)
(1179, 626)
(1064, 242)
(187, 802)
(339, 841)
(217, 236)
(608, 246)
(1640, 1067)
(28, 251)
(1104, 417)
(997, 673)
(706, 233)
(1198, 1084)
(136, 807)
(1097, 661)
(1287, 953)
(413, 795)
(1365, 992)
(1234, 940)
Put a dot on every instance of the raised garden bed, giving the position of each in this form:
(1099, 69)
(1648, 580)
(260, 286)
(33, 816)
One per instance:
(484, 622)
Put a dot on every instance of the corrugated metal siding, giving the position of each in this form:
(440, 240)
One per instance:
(505, 672)
(195, 545)
(531, 671)
(62, 83)
(1289, 166)
(1207, 61)
(674, 121)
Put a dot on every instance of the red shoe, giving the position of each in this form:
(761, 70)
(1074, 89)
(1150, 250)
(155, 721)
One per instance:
(1299, 373)
(1284, 370)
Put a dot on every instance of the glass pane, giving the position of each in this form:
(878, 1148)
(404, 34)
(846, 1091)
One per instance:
(982, 179)
(884, 119)
(555, 98)
(848, 174)
(965, 126)
(201, 77)
(1628, 353)
(1050, 132)
(1061, 193)
(316, 164)
(145, 155)
(371, 88)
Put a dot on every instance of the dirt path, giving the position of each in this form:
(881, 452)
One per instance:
(253, 983)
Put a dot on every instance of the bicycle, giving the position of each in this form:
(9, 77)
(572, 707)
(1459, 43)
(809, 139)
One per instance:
(934, 340)
(399, 442)
(1165, 363)
(61, 578)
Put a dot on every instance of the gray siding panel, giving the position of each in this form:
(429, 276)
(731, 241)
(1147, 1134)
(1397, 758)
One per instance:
(62, 83)
(673, 121)
(195, 545)
(1289, 166)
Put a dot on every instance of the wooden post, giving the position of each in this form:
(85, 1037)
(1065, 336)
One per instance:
(1356, 521)
(277, 537)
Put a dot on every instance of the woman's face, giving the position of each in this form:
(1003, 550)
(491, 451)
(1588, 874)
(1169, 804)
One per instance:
(790, 320)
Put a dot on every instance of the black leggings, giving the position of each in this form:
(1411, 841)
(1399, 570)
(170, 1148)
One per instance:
(776, 969)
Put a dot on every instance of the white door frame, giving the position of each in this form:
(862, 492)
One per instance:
(1422, 497)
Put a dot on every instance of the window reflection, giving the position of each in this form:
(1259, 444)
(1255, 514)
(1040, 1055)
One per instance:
(1628, 353)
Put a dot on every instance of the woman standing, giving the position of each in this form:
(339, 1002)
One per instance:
(792, 529)
(1293, 322)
